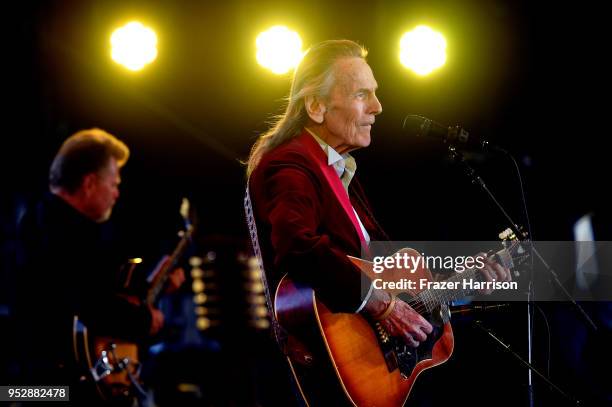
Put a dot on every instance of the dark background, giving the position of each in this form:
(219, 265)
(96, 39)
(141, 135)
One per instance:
(528, 76)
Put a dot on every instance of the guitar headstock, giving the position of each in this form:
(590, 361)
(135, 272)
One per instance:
(188, 214)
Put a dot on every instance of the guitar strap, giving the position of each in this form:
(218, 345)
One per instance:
(279, 332)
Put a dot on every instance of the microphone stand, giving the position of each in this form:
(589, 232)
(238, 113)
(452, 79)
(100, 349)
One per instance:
(530, 367)
(457, 157)
(469, 170)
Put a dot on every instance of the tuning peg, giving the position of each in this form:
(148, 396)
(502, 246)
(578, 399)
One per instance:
(506, 234)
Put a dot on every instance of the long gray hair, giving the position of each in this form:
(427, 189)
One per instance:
(313, 76)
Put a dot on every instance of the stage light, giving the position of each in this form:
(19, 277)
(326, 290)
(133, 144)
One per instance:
(422, 50)
(279, 49)
(134, 46)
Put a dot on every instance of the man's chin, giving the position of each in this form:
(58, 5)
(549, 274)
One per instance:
(106, 216)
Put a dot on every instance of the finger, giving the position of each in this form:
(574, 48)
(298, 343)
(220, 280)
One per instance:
(422, 321)
(419, 335)
(501, 273)
(486, 273)
(507, 274)
(409, 314)
(427, 327)
(410, 341)
(425, 334)
(491, 275)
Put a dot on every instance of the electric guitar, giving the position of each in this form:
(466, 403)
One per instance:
(345, 359)
(111, 364)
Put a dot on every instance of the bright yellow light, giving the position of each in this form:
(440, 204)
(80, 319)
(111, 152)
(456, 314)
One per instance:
(279, 49)
(134, 46)
(422, 50)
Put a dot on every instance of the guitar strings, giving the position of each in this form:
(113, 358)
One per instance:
(421, 304)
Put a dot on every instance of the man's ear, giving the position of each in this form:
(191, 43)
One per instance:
(88, 184)
(315, 108)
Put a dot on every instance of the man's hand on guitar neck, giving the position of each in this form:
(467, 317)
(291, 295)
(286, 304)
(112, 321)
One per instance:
(403, 321)
(176, 277)
(493, 271)
(157, 320)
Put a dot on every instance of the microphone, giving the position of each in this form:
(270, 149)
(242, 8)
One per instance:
(456, 136)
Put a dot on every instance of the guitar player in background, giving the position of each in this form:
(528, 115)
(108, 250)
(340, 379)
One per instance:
(68, 262)
(308, 206)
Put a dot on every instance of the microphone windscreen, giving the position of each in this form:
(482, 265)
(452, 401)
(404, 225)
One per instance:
(416, 125)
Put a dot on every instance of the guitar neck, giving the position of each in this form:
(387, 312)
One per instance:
(433, 298)
(159, 282)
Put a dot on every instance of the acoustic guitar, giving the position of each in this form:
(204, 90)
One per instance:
(346, 359)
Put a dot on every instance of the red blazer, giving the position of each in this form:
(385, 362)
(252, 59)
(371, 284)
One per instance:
(303, 228)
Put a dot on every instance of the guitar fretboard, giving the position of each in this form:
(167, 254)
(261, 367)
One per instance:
(156, 289)
(433, 298)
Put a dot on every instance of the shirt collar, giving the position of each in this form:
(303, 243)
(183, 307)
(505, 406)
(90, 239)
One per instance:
(332, 155)
(344, 165)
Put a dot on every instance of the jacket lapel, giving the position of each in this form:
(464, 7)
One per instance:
(314, 150)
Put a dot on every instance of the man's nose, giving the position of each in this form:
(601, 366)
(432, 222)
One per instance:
(375, 107)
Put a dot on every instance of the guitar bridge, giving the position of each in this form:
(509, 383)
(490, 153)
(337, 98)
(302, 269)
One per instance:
(386, 346)
(102, 367)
